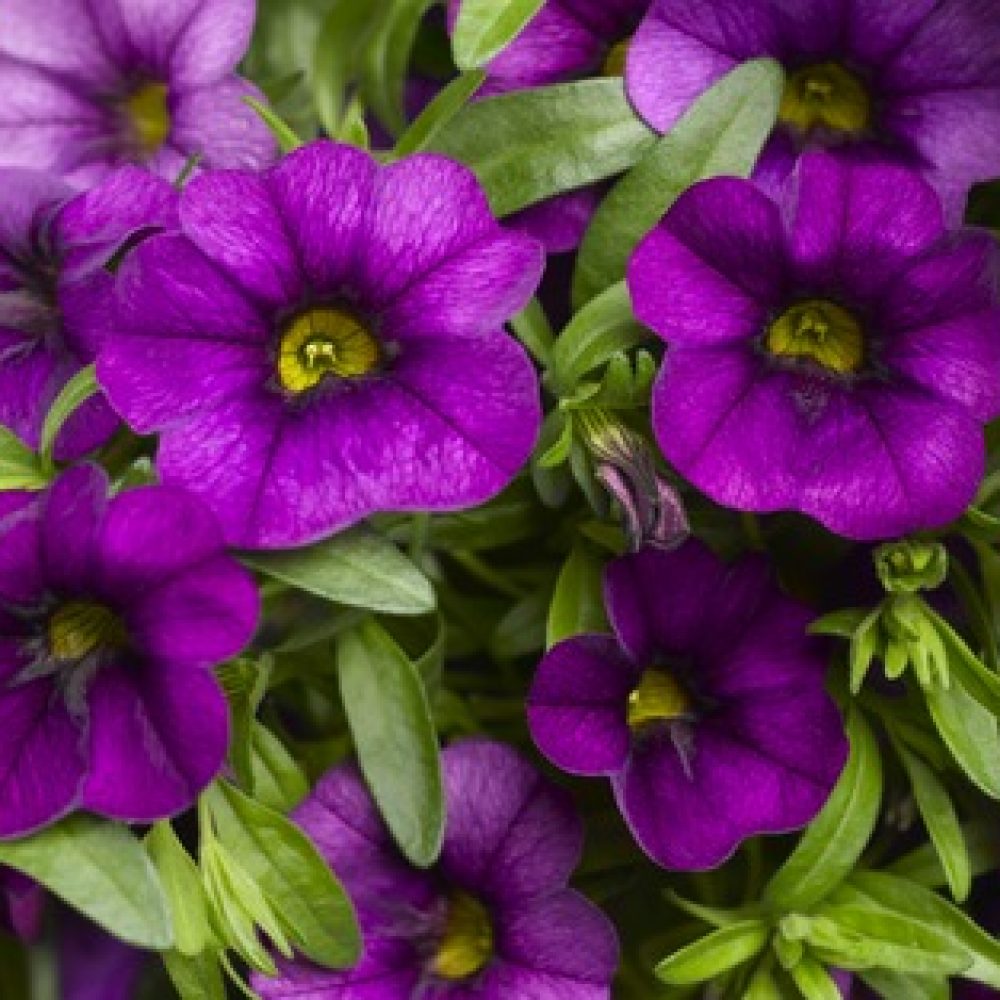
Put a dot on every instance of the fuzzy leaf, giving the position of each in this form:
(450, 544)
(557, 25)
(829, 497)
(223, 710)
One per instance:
(485, 27)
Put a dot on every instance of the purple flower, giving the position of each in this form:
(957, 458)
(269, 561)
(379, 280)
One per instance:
(56, 293)
(111, 614)
(916, 82)
(324, 341)
(837, 355)
(90, 84)
(493, 920)
(92, 964)
(566, 40)
(706, 707)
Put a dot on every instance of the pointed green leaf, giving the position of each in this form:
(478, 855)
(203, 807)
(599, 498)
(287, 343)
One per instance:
(390, 720)
(357, 567)
(484, 27)
(578, 601)
(20, 468)
(722, 133)
(196, 977)
(100, 869)
(71, 397)
(181, 883)
(834, 840)
(970, 732)
(715, 953)
(439, 113)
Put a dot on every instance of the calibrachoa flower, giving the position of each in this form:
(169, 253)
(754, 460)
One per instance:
(706, 707)
(111, 614)
(56, 293)
(324, 340)
(838, 355)
(90, 84)
(493, 919)
(566, 40)
(22, 905)
(917, 82)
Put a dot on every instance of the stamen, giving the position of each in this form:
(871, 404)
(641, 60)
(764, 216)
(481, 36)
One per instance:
(80, 628)
(324, 342)
(658, 698)
(825, 96)
(819, 331)
(467, 943)
(148, 116)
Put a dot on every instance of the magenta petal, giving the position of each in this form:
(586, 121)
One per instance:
(215, 122)
(856, 225)
(559, 223)
(21, 573)
(322, 192)
(510, 833)
(158, 736)
(230, 216)
(41, 758)
(426, 210)
(557, 947)
(199, 618)
(71, 513)
(576, 706)
(152, 534)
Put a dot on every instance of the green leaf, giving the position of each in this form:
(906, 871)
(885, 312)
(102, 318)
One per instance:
(923, 865)
(73, 395)
(814, 981)
(763, 986)
(439, 113)
(834, 840)
(531, 144)
(715, 953)
(970, 732)
(484, 27)
(181, 882)
(278, 781)
(578, 601)
(196, 977)
(864, 645)
(390, 720)
(20, 468)
(879, 892)
(842, 624)
(722, 133)
(941, 820)
(283, 133)
(977, 679)
(357, 567)
(895, 985)
(314, 911)
(100, 869)
(600, 330)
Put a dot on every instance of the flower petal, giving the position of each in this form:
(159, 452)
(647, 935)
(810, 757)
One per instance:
(72, 510)
(576, 706)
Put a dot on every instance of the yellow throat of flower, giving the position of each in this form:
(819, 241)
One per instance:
(614, 64)
(658, 698)
(467, 944)
(825, 96)
(80, 628)
(149, 117)
(819, 331)
(321, 342)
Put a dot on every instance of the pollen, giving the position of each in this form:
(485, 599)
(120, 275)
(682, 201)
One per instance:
(79, 628)
(819, 331)
(825, 96)
(467, 943)
(149, 117)
(325, 342)
(658, 698)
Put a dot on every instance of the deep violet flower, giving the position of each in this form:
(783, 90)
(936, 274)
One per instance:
(492, 920)
(917, 83)
(91, 84)
(837, 355)
(93, 965)
(111, 614)
(706, 707)
(324, 340)
(566, 40)
(56, 293)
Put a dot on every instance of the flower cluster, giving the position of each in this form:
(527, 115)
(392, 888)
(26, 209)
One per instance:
(330, 569)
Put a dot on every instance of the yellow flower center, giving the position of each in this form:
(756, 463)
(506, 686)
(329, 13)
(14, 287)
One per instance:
(80, 628)
(825, 96)
(614, 64)
(321, 342)
(819, 331)
(658, 698)
(467, 944)
(147, 113)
